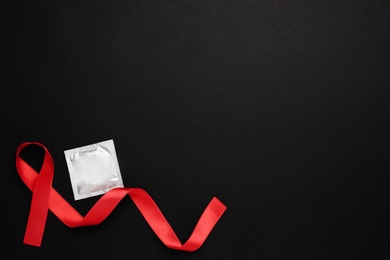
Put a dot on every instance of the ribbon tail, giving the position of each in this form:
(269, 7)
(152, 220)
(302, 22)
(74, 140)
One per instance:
(206, 223)
(164, 231)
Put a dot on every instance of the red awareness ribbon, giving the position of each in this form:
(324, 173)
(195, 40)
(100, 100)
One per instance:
(45, 198)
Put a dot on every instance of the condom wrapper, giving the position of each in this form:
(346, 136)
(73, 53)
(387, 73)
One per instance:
(93, 169)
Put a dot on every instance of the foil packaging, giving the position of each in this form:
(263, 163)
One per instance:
(93, 169)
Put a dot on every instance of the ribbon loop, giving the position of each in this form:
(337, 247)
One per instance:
(45, 198)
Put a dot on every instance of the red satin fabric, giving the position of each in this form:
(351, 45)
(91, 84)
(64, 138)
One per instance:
(45, 198)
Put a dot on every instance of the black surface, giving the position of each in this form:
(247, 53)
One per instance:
(278, 108)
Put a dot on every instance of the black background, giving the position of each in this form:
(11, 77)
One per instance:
(278, 108)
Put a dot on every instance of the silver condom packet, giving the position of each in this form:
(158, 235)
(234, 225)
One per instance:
(93, 169)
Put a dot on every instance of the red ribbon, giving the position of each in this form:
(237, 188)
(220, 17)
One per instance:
(45, 198)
